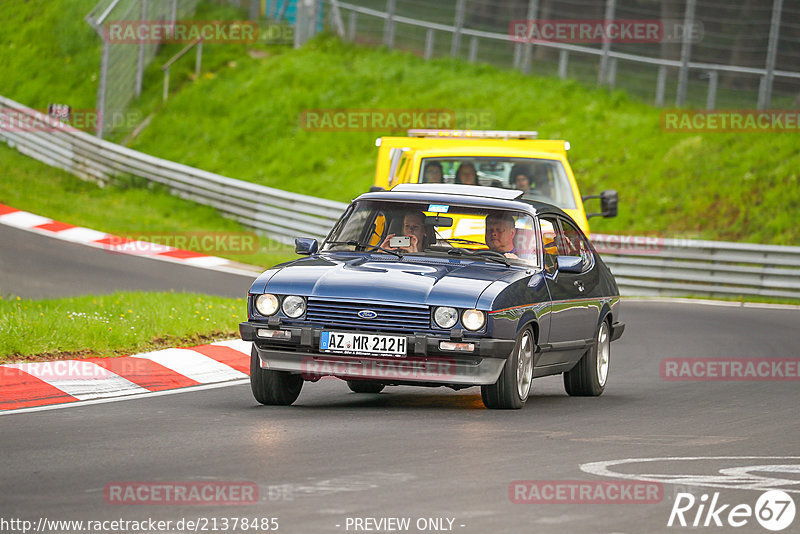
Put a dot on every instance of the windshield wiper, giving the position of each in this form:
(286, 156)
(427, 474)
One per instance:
(355, 243)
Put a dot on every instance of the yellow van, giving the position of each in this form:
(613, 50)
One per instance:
(491, 158)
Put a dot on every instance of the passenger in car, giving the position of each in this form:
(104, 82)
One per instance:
(467, 174)
(433, 173)
(500, 234)
(413, 227)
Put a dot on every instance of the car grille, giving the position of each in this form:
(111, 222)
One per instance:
(391, 317)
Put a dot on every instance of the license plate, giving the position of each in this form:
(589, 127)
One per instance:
(362, 344)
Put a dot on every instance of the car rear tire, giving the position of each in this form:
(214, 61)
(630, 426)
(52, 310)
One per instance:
(513, 387)
(589, 376)
(365, 386)
(274, 388)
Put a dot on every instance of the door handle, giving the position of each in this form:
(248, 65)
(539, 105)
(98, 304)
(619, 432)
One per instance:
(579, 285)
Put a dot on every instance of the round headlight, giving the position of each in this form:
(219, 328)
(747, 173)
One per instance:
(267, 304)
(473, 319)
(445, 316)
(294, 306)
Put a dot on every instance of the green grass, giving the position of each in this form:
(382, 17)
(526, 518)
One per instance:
(128, 208)
(244, 123)
(113, 325)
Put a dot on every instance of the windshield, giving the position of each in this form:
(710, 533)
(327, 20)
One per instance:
(443, 230)
(544, 180)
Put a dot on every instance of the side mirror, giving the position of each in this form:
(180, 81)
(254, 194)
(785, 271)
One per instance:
(608, 203)
(305, 246)
(374, 188)
(569, 264)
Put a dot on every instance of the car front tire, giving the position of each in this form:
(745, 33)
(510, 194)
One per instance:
(365, 386)
(514, 385)
(589, 376)
(274, 388)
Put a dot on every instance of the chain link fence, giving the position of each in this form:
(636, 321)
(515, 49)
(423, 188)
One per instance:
(734, 54)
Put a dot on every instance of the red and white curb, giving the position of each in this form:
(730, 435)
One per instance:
(114, 244)
(25, 385)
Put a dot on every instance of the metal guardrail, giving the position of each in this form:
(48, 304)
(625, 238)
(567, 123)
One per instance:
(642, 265)
(280, 214)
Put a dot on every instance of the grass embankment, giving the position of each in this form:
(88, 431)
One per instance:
(245, 123)
(113, 325)
(126, 209)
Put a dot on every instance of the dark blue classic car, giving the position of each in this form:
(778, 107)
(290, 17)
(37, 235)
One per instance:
(437, 285)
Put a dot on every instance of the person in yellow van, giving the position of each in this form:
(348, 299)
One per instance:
(467, 174)
(433, 173)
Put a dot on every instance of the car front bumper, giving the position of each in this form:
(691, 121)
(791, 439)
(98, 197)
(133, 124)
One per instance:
(425, 362)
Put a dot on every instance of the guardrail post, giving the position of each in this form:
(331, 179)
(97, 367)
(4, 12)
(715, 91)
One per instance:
(473, 49)
(713, 79)
(527, 51)
(686, 51)
(765, 95)
(602, 75)
(429, 43)
(458, 24)
(351, 26)
(388, 27)
(563, 62)
(336, 18)
(661, 84)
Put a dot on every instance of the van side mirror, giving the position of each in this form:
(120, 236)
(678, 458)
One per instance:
(305, 246)
(608, 203)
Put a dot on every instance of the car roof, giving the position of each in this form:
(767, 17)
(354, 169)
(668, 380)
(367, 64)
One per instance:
(469, 195)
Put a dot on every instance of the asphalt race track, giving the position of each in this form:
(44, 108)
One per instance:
(421, 454)
(37, 266)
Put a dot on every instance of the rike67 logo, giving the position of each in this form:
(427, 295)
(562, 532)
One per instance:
(774, 510)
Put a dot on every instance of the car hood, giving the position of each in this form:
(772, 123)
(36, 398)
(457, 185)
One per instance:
(431, 281)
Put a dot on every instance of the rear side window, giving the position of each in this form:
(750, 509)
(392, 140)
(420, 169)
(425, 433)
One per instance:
(572, 243)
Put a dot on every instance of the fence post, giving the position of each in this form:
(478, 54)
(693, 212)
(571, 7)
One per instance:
(765, 96)
(686, 51)
(429, 43)
(336, 18)
(198, 63)
(533, 9)
(173, 16)
(351, 26)
(563, 61)
(101, 89)
(388, 27)
(459, 24)
(602, 75)
(140, 58)
(473, 49)
(713, 79)
(611, 75)
(661, 84)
